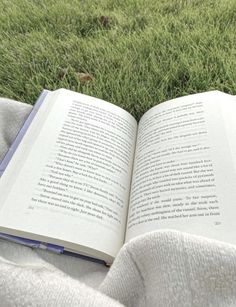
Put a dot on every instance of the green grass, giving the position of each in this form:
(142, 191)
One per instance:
(149, 52)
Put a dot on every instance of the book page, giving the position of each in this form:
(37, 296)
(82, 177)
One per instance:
(184, 170)
(73, 179)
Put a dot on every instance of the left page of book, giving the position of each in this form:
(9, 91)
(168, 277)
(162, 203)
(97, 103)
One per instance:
(69, 180)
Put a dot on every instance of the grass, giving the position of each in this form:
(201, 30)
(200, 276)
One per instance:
(139, 54)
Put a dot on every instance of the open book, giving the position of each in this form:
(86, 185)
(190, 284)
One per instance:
(87, 177)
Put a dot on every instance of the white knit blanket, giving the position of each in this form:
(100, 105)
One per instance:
(162, 268)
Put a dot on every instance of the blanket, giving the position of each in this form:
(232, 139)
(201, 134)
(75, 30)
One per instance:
(161, 268)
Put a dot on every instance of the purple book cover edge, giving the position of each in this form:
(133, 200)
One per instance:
(5, 161)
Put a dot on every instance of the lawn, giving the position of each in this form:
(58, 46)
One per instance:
(136, 53)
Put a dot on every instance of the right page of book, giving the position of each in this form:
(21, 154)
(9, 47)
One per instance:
(184, 174)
